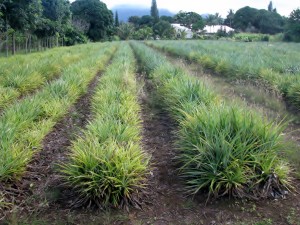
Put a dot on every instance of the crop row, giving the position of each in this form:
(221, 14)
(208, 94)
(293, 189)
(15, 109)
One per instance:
(23, 74)
(276, 64)
(107, 165)
(24, 125)
(222, 148)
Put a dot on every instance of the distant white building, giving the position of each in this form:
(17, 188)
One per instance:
(214, 29)
(179, 29)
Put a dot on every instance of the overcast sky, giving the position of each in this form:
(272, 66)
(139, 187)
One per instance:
(284, 7)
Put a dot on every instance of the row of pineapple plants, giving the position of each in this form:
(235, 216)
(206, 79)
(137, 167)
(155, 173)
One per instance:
(107, 165)
(223, 149)
(23, 74)
(24, 125)
(276, 65)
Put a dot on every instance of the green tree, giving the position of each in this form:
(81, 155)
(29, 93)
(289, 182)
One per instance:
(167, 18)
(164, 30)
(245, 18)
(154, 11)
(117, 23)
(2, 21)
(144, 33)
(292, 32)
(270, 6)
(56, 19)
(22, 16)
(147, 20)
(96, 15)
(135, 20)
(189, 19)
(215, 19)
(229, 19)
(269, 22)
(125, 31)
(263, 21)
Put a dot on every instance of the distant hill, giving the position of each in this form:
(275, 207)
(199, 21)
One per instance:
(205, 16)
(125, 11)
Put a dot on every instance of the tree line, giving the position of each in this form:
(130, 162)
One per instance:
(27, 25)
(246, 19)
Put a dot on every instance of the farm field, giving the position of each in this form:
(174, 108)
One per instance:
(272, 64)
(22, 74)
(126, 135)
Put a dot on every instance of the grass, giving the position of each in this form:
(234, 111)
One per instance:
(24, 125)
(222, 148)
(107, 166)
(275, 64)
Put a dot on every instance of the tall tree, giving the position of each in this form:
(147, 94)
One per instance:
(270, 6)
(154, 11)
(215, 19)
(218, 18)
(269, 22)
(146, 21)
(125, 31)
(117, 23)
(96, 15)
(244, 18)
(191, 20)
(23, 16)
(56, 19)
(167, 18)
(164, 30)
(292, 32)
(229, 19)
(2, 8)
(135, 20)
(262, 21)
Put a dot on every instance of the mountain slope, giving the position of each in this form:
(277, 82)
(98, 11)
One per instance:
(125, 11)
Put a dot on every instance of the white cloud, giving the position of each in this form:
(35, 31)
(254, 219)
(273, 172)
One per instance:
(284, 7)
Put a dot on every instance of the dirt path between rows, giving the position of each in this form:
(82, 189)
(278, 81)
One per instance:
(41, 186)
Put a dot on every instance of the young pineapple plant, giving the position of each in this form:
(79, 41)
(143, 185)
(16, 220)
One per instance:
(228, 150)
(107, 166)
(223, 149)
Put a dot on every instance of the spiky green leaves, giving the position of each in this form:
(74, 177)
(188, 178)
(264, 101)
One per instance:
(24, 125)
(226, 150)
(229, 151)
(107, 166)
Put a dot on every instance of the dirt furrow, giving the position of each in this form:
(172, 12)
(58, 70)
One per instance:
(41, 186)
(158, 140)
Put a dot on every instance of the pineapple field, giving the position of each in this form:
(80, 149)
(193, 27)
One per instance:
(156, 132)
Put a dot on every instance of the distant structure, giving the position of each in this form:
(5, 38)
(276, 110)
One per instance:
(206, 30)
(180, 29)
(214, 29)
